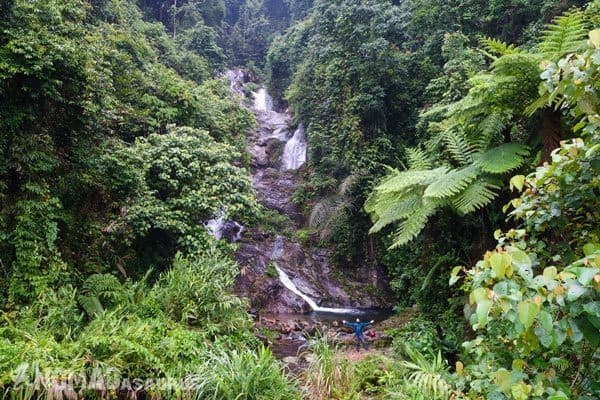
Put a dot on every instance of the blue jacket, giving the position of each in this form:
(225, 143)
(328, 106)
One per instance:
(358, 327)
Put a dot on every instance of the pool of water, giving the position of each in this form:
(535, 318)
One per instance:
(327, 318)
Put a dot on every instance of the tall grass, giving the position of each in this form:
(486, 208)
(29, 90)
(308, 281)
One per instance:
(241, 375)
(329, 376)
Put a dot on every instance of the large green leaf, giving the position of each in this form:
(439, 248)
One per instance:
(527, 313)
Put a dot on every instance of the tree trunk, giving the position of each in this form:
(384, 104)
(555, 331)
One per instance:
(550, 132)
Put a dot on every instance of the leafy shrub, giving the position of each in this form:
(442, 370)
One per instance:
(418, 334)
(196, 291)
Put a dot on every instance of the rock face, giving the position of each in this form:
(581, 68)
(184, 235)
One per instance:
(276, 170)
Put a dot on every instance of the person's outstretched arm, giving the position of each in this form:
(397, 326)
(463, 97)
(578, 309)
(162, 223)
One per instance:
(365, 324)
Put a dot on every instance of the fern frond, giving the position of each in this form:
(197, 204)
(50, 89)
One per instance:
(479, 194)
(566, 34)
(560, 363)
(489, 128)
(401, 209)
(495, 47)
(502, 159)
(106, 285)
(401, 181)
(459, 147)
(538, 104)
(418, 159)
(452, 183)
(414, 224)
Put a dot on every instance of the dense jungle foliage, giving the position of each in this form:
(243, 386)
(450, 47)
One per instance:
(454, 145)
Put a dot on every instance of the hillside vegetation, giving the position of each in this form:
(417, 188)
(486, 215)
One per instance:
(453, 145)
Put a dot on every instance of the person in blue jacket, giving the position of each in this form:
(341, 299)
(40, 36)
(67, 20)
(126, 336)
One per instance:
(358, 328)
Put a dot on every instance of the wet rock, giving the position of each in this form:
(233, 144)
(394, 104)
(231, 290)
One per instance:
(291, 360)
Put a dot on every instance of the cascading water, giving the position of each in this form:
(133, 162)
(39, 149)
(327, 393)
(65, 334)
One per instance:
(294, 152)
(309, 281)
(287, 282)
(262, 101)
(215, 226)
(219, 228)
(236, 80)
(276, 254)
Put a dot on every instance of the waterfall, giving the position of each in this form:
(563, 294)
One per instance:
(262, 101)
(219, 228)
(236, 81)
(294, 153)
(287, 282)
(215, 226)
(276, 254)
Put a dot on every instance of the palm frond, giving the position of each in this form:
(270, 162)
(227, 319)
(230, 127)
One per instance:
(348, 183)
(328, 210)
(566, 34)
(502, 159)
(427, 374)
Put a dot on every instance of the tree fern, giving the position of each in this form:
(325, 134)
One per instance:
(401, 181)
(415, 222)
(451, 183)
(565, 35)
(459, 146)
(502, 159)
(488, 129)
(102, 285)
(479, 194)
(418, 159)
(401, 208)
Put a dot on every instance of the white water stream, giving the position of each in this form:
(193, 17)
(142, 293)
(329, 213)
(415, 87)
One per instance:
(276, 254)
(287, 282)
(294, 152)
(218, 226)
(262, 101)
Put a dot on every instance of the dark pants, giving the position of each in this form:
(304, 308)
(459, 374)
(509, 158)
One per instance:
(360, 339)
